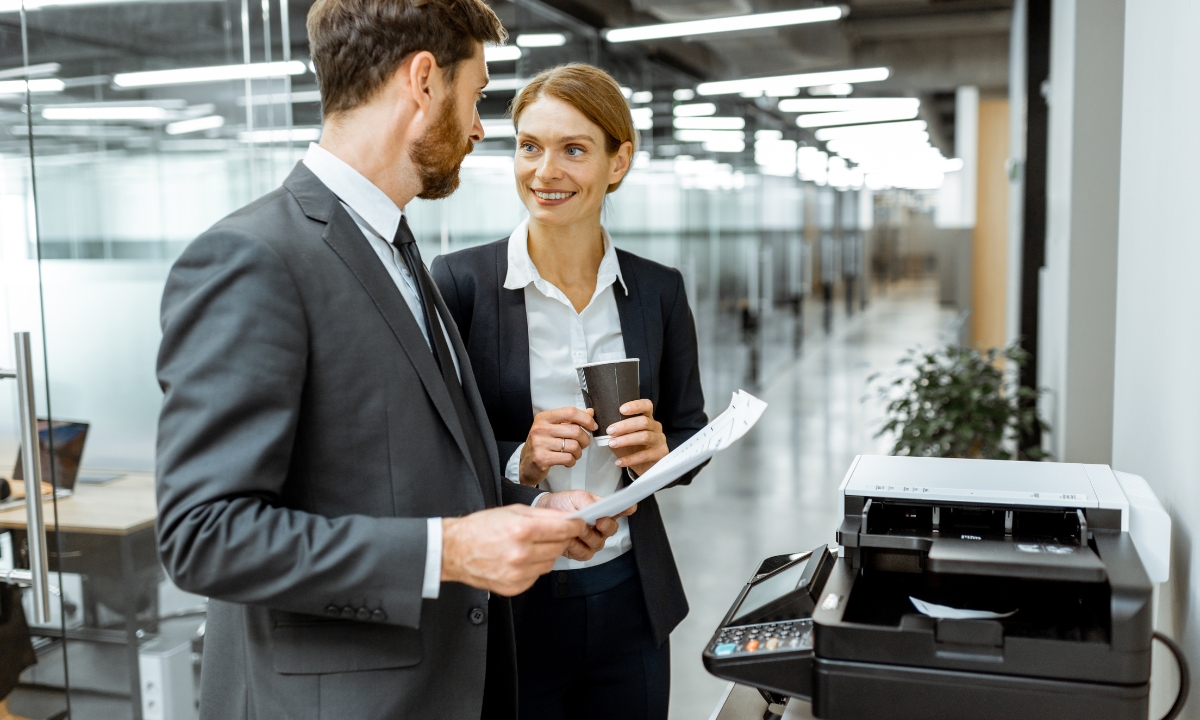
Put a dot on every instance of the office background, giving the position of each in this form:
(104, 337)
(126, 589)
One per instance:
(1044, 194)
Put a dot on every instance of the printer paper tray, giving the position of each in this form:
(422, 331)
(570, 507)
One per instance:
(1016, 558)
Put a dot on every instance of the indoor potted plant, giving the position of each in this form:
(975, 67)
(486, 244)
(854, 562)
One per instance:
(956, 402)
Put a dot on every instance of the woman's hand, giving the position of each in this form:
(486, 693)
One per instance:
(557, 437)
(638, 442)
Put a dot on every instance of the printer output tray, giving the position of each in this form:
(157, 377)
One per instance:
(844, 690)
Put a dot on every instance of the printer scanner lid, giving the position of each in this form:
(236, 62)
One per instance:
(994, 482)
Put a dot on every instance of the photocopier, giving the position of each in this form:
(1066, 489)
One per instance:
(962, 589)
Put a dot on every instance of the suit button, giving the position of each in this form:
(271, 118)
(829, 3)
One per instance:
(562, 590)
(379, 616)
(562, 577)
(362, 615)
(333, 610)
(477, 616)
(348, 612)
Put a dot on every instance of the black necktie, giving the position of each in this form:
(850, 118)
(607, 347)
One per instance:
(407, 245)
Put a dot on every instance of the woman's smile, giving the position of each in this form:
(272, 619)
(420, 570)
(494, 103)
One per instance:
(553, 197)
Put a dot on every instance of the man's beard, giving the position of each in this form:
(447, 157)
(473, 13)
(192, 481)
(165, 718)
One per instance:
(438, 154)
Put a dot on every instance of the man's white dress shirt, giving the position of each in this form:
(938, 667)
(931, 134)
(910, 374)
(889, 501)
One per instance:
(378, 218)
(559, 340)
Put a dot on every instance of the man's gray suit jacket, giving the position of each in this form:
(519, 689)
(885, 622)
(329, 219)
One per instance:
(306, 436)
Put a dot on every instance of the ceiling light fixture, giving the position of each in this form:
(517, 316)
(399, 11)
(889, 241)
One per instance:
(501, 84)
(816, 105)
(183, 127)
(309, 134)
(726, 24)
(709, 123)
(643, 118)
(767, 84)
(863, 131)
(215, 73)
(684, 94)
(856, 117)
(541, 40)
(42, 85)
(841, 88)
(128, 112)
(15, 5)
(498, 128)
(642, 96)
(501, 53)
(695, 110)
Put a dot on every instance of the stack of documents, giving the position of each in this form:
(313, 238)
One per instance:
(725, 429)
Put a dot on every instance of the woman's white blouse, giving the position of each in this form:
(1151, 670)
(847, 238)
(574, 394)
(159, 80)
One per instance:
(559, 340)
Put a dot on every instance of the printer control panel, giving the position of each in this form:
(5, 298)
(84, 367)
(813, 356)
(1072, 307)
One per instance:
(763, 638)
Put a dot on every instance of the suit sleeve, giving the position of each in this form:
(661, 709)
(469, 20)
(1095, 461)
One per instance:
(680, 396)
(232, 367)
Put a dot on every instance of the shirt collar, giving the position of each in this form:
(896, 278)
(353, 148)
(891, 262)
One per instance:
(367, 201)
(522, 271)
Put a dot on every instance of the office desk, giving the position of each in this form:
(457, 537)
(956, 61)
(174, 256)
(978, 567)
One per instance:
(740, 702)
(107, 536)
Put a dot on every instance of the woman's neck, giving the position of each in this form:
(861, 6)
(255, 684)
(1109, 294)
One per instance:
(568, 256)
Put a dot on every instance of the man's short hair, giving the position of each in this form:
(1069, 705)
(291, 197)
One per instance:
(357, 45)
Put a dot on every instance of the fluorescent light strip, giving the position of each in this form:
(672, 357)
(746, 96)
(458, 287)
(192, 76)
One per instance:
(184, 127)
(710, 135)
(283, 135)
(541, 40)
(709, 123)
(866, 131)
(643, 118)
(506, 83)
(15, 5)
(134, 112)
(216, 73)
(28, 71)
(501, 53)
(42, 85)
(695, 110)
(813, 105)
(642, 96)
(498, 127)
(725, 24)
(296, 97)
(765, 84)
(856, 117)
(835, 89)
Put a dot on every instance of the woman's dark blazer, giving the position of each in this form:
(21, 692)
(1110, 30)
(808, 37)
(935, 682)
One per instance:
(657, 327)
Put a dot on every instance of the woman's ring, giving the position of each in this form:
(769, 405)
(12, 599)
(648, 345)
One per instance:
(564, 445)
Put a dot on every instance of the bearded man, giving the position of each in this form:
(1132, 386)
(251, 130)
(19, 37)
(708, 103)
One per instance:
(327, 475)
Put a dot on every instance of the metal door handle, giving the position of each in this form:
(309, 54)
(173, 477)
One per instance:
(31, 461)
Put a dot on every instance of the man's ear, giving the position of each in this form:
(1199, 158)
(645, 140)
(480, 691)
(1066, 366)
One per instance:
(423, 74)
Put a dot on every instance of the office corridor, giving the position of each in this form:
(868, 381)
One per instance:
(776, 491)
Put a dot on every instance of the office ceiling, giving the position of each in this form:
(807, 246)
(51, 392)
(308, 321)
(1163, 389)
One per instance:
(931, 46)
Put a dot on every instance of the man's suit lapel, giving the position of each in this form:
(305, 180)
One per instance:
(346, 239)
(470, 388)
(512, 329)
(633, 327)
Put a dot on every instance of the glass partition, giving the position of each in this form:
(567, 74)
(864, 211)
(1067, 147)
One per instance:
(149, 121)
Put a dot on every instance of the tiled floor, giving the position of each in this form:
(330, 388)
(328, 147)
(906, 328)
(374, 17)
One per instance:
(776, 491)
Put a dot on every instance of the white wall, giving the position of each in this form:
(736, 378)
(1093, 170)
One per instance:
(1076, 332)
(1156, 392)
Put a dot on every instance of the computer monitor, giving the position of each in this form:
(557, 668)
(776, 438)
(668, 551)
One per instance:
(69, 438)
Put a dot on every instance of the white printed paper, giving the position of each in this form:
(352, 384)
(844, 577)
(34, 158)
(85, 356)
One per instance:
(942, 612)
(727, 428)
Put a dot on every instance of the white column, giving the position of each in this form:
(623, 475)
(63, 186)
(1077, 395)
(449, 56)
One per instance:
(1078, 288)
(1156, 391)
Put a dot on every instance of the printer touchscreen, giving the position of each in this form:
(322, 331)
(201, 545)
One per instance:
(772, 588)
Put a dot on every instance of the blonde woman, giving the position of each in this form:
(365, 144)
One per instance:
(592, 637)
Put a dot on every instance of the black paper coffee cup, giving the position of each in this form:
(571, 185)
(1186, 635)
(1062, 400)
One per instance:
(606, 387)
